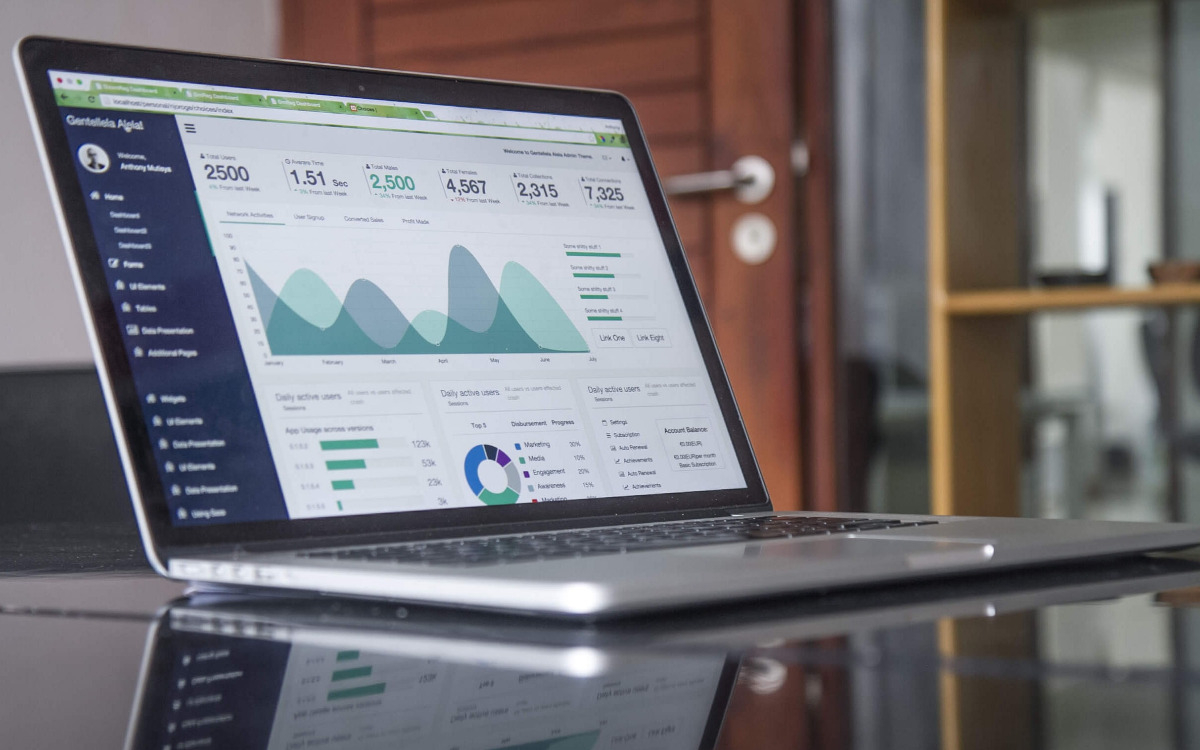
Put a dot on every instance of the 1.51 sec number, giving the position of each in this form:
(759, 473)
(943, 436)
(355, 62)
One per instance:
(309, 177)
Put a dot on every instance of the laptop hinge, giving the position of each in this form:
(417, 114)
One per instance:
(348, 540)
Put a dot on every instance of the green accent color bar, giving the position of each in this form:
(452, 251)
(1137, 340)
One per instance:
(593, 296)
(604, 317)
(593, 275)
(343, 484)
(139, 97)
(347, 655)
(582, 254)
(339, 502)
(349, 445)
(351, 674)
(358, 692)
(354, 463)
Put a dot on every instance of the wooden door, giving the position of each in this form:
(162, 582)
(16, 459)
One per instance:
(712, 80)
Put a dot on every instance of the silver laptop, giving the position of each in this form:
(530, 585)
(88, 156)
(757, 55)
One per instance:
(430, 339)
(268, 672)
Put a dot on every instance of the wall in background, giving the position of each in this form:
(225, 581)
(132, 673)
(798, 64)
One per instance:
(43, 325)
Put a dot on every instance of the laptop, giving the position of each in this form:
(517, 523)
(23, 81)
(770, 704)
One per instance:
(430, 339)
(269, 671)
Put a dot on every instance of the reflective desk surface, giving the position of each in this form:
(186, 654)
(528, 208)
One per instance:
(97, 652)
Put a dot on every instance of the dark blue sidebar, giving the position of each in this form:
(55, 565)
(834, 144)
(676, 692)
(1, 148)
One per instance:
(210, 691)
(197, 399)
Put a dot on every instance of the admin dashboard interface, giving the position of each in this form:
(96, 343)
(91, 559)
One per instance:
(399, 306)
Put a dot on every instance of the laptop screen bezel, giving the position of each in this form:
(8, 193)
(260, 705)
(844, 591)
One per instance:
(39, 55)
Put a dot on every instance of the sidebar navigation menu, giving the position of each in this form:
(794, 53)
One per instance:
(209, 442)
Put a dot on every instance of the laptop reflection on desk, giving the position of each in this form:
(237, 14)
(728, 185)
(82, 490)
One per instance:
(211, 680)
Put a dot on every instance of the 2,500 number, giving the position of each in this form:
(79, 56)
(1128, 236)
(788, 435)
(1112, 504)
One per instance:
(392, 182)
(225, 173)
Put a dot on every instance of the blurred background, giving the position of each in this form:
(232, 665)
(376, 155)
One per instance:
(956, 314)
(1022, 182)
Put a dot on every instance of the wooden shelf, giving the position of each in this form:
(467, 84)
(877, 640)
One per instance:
(1022, 301)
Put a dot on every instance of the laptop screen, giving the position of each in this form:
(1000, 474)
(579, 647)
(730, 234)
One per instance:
(335, 306)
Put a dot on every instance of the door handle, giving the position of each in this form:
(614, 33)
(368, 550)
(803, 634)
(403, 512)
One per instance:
(751, 178)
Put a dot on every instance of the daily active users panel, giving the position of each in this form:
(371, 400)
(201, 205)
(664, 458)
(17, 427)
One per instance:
(374, 447)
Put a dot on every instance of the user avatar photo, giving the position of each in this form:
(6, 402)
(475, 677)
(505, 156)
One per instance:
(93, 158)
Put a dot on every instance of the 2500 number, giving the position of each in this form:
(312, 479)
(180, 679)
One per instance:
(227, 174)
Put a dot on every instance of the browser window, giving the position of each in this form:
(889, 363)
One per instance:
(398, 306)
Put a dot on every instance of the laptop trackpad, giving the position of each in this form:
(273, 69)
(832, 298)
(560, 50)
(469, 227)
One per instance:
(916, 554)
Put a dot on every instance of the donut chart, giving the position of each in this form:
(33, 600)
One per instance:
(476, 458)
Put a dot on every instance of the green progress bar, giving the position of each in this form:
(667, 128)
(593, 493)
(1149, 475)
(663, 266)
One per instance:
(580, 254)
(604, 317)
(357, 692)
(594, 276)
(343, 484)
(351, 674)
(347, 655)
(353, 463)
(348, 445)
(593, 296)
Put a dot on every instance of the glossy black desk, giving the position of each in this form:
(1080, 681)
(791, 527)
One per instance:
(94, 648)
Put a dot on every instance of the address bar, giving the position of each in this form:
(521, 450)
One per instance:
(333, 118)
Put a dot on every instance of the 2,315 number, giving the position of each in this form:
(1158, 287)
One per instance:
(537, 190)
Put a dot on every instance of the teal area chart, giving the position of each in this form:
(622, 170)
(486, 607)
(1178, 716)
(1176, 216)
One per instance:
(476, 457)
(306, 317)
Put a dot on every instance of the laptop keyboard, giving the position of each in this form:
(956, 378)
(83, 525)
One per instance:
(608, 541)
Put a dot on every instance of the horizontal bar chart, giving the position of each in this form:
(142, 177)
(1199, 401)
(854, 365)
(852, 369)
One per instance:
(349, 445)
(357, 692)
(353, 673)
